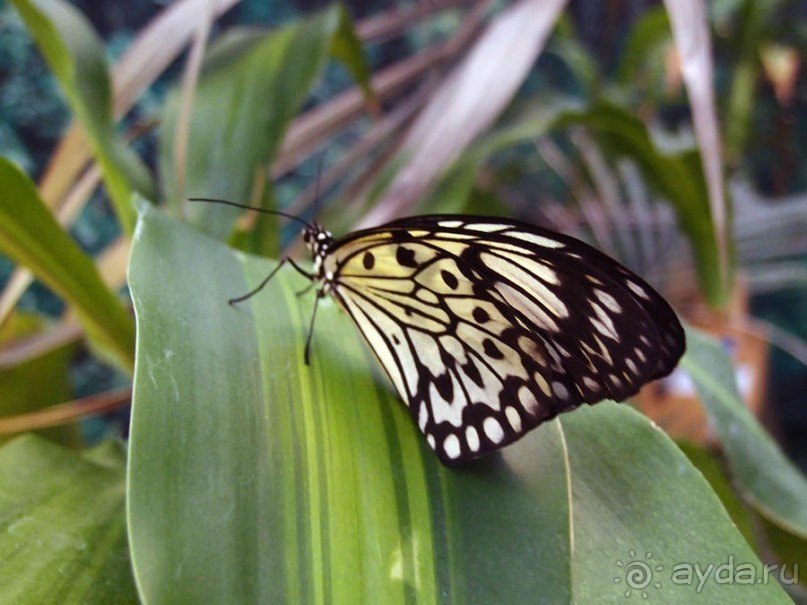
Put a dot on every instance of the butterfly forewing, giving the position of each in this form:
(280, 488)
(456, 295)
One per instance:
(488, 327)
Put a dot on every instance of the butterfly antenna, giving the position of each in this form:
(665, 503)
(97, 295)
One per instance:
(318, 190)
(245, 207)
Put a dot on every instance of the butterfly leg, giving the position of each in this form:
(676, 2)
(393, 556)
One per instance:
(304, 273)
(307, 356)
(299, 269)
(305, 290)
(253, 292)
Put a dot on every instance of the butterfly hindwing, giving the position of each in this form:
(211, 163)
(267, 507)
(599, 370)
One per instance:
(488, 327)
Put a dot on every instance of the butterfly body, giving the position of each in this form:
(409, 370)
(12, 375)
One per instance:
(488, 327)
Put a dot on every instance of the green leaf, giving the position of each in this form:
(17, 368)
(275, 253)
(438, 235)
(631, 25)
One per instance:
(251, 86)
(314, 485)
(62, 528)
(76, 56)
(347, 49)
(708, 463)
(647, 36)
(751, 27)
(790, 549)
(569, 48)
(768, 480)
(30, 236)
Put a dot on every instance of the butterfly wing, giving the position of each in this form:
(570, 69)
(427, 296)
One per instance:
(489, 327)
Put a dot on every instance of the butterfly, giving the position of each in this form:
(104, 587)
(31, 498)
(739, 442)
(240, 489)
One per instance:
(488, 327)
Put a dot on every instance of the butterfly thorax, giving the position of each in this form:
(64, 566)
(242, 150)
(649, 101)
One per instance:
(319, 241)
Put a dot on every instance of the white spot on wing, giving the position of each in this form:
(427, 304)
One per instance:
(486, 227)
(604, 351)
(493, 429)
(637, 289)
(560, 390)
(538, 240)
(528, 400)
(609, 301)
(472, 438)
(451, 446)
(543, 384)
(600, 327)
(513, 418)
(590, 383)
(606, 325)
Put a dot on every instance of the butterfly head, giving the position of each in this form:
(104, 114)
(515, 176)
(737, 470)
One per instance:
(319, 241)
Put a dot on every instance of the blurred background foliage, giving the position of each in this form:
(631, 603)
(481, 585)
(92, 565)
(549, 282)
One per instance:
(603, 136)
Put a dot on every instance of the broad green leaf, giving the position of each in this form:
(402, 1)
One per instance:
(251, 86)
(62, 528)
(770, 482)
(790, 551)
(76, 56)
(30, 236)
(712, 468)
(676, 176)
(254, 478)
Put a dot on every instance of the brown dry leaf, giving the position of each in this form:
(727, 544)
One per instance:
(319, 124)
(690, 26)
(65, 413)
(158, 45)
(314, 127)
(393, 22)
(112, 262)
(469, 101)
